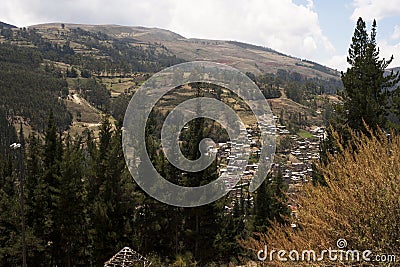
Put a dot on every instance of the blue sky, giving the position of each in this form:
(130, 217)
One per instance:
(337, 21)
(318, 30)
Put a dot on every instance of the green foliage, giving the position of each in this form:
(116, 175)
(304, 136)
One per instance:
(305, 134)
(366, 86)
(71, 73)
(7, 134)
(85, 74)
(118, 106)
(366, 96)
(82, 204)
(297, 87)
(95, 93)
(270, 203)
(28, 91)
(293, 92)
(28, 57)
(121, 55)
(9, 208)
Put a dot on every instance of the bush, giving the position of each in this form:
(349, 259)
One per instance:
(360, 203)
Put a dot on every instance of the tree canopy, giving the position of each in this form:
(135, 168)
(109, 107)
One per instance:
(366, 87)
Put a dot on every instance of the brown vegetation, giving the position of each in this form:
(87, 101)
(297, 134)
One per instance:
(360, 204)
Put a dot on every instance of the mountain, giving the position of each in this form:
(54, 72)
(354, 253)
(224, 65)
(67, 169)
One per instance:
(394, 69)
(117, 31)
(245, 57)
(104, 64)
(4, 25)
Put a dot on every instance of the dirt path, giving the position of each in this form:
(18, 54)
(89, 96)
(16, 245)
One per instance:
(283, 93)
(81, 101)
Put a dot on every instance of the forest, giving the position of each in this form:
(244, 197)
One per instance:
(30, 91)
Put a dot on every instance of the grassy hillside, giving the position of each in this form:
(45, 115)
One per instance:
(245, 57)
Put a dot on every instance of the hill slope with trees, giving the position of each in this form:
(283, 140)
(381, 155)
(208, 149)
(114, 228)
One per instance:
(245, 57)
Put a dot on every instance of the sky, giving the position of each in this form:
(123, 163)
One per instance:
(317, 30)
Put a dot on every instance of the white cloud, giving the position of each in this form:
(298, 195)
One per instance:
(281, 25)
(375, 9)
(387, 50)
(396, 33)
(338, 62)
(310, 4)
(29, 12)
(309, 44)
(379, 9)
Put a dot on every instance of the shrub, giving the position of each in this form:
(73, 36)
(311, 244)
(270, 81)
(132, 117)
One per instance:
(361, 203)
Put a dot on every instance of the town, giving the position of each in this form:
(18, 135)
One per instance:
(293, 163)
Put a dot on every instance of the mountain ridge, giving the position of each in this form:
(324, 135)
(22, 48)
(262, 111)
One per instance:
(6, 25)
(243, 56)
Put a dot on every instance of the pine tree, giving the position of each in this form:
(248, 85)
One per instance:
(51, 189)
(270, 203)
(200, 223)
(113, 208)
(72, 212)
(10, 220)
(279, 206)
(262, 206)
(365, 85)
(366, 94)
(36, 201)
(104, 236)
(10, 223)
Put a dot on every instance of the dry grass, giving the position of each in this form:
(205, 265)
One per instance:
(361, 204)
(90, 116)
(251, 59)
(118, 86)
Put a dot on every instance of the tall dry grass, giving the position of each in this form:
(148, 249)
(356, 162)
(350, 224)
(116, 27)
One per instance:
(360, 204)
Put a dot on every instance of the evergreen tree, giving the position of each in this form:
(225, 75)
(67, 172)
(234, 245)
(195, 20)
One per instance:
(200, 223)
(279, 205)
(104, 235)
(113, 208)
(366, 93)
(232, 223)
(365, 85)
(270, 203)
(263, 213)
(10, 220)
(51, 189)
(36, 201)
(72, 212)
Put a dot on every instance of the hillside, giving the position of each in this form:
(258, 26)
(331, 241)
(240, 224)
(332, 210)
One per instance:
(104, 64)
(28, 92)
(4, 25)
(395, 69)
(245, 57)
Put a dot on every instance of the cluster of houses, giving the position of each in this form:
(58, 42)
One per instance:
(296, 169)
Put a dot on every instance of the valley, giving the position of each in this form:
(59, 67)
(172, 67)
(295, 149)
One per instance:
(65, 89)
